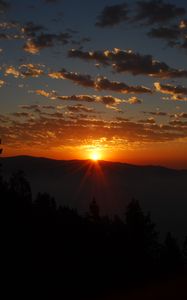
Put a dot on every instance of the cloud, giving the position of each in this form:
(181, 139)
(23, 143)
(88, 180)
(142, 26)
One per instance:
(45, 40)
(183, 115)
(100, 83)
(81, 79)
(36, 107)
(157, 12)
(176, 92)
(30, 29)
(134, 100)
(184, 44)
(150, 120)
(183, 24)
(178, 123)
(52, 94)
(25, 70)
(174, 35)
(129, 62)
(41, 131)
(20, 114)
(106, 100)
(4, 6)
(9, 25)
(30, 70)
(156, 113)
(112, 15)
(80, 108)
(2, 83)
(166, 33)
(12, 71)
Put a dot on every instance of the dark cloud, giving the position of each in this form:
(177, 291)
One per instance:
(107, 100)
(157, 12)
(177, 92)
(174, 35)
(148, 121)
(156, 113)
(6, 36)
(30, 29)
(81, 79)
(100, 83)
(112, 15)
(80, 108)
(145, 12)
(183, 115)
(129, 62)
(20, 114)
(184, 43)
(103, 83)
(166, 33)
(36, 106)
(178, 123)
(4, 6)
(46, 40)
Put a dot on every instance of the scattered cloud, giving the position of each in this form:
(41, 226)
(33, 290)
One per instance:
(150, 120)
(129, 62)
(2, 82)
(30, 29)
(45, 40)
(112, 15)
(176, 92)
(80, 108)
(25, 70)
(134, 100)
(156, 113)
(157, 12)
(41, 129)
(100, 83)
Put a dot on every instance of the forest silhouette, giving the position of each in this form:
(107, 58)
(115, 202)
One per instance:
(87, 255)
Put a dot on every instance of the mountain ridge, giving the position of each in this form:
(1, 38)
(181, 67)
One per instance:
(161, 191)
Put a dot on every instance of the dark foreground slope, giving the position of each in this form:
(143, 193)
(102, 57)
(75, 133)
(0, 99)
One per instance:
(161, 191)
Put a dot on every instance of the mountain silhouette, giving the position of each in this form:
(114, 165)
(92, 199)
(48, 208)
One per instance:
(161, 191)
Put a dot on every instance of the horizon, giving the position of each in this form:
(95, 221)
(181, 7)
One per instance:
(93, 161)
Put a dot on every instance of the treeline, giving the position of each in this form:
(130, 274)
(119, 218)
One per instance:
(87, 254)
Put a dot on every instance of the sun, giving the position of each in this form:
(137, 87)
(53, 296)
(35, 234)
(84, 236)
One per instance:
(95, 156)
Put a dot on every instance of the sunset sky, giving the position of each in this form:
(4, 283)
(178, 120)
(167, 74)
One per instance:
(104, 77)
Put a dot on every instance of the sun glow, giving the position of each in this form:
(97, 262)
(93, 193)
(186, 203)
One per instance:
(95, 156)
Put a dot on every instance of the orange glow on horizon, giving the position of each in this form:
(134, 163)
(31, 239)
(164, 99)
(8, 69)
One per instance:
(164, 154)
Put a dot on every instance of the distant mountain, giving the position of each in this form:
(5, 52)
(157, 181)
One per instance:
(160, 190)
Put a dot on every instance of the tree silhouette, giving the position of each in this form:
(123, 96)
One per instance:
(94, 210)
(84, 255)
(185, 250)
(171, 254)
(45, 204)
(142, 239)
(20, 194)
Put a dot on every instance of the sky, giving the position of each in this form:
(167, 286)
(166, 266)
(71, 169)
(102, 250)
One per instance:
(103, 78)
